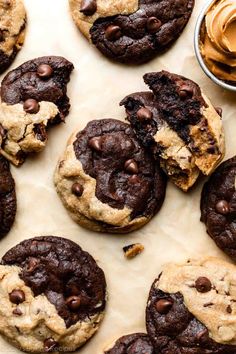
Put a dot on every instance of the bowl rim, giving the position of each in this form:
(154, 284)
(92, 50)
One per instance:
(198, 52)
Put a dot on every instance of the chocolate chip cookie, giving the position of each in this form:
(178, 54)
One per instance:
(133, 31)
(33, 97)
(136, 343)
(191, 308)
(107, 181)
(218, 207)
(12, 30)
(178, 123)
(52, 295)
(7, 198)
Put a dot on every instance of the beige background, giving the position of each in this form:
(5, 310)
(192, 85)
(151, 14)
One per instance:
(96, 88)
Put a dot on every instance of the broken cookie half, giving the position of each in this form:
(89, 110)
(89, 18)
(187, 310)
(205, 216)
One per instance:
(180, 126)
(33, 97)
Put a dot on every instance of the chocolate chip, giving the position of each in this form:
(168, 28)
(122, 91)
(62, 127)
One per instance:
(44, 71)
(31, 106)
(144, 114)
(32, 264)
(50, 344)
(153, 24)
(17, 296)
(17, 312)
(96, 143)
(2, 36)
(219, 111)
(222, 207)
(131, 166)
(40, 131)
(163, 306)
(229, 309)
(203, 285)
(113, 33)
(88, 7)
(134, 179)
(77, 189)
(202, 334)
(185, 91)
(73, 302)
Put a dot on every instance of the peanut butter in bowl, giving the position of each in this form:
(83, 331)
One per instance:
(218, 40)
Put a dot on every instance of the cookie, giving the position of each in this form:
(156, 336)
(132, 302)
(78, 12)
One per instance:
(33, 97)
(136, 343)
(218, 207)
(191, 308)
(107, 181)
(12, 30)
(131, 31)
(52, 295)
(7, 198)
(180, 126)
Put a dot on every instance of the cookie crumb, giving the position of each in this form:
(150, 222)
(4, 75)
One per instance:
(133, 250)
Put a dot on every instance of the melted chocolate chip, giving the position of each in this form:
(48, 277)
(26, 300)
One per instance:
(49, 345)
(73, 302)
(185, 91)
(17, 312)
(32, 264)
(163, 306)
(96, 143)
(219, 111)
(88, 7)
(222, 207)
(31, 106)
(131, 166)
(113, 33)
(77, 189)
(144, 114)
(153, 24)
(203, 285)
(44, 71)
(17, 296)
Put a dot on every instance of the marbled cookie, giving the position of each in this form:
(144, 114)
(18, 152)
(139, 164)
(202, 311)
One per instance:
(107, 181)
(131, 31)
(218, 207)
(12, 30)
(7, 197)
(52, 295)
(179, 124)
(192, 308)
(135, 343)
(33, 97)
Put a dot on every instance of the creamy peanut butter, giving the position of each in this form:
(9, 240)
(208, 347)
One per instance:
(218, 40)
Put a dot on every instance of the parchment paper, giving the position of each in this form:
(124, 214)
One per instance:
(96, 88)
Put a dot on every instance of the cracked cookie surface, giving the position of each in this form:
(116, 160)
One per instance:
(131, 32)
(218, 207)
(53, 293)
(107, 181)
(7, 197)
(191, 308)
(12, 30)
(180, 126)
(135, 343)
(33, 97)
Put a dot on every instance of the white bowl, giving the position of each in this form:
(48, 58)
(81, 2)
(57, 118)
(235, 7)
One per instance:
(198, 52)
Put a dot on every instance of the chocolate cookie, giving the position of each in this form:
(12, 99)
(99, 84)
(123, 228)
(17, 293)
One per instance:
(191, 308)
(107, 181)
(52, 293)
(133, 31)
(12, 30)
(137, 343)
(218, 207)
(180, 126)
(7, 198)
(33, 97)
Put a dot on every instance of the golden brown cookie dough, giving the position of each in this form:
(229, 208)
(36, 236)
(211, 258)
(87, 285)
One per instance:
(12, 30)
(218, 45)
